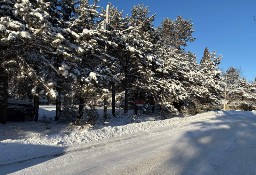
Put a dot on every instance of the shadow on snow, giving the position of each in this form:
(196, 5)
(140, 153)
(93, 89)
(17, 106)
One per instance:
(23, 130)
(223, 145)
(12, 160)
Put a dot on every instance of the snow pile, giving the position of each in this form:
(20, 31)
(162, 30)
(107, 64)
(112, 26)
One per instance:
(47, 133)
(85, 135)
(179, 142)
(47, 138)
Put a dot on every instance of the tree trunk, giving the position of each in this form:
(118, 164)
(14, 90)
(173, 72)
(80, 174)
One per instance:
(126, 100)
(105, 113)
(58, 101)
(126, 87)
(36, 106)
(58, 106)
(81, 108)
(3, 95)
(135, 102)
(113, 99)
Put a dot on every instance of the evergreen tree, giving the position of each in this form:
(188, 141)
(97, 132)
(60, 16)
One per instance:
(176, 33)
(239, 92)
(207, 57)
(139, 50)
(71, 50)
(211, 79)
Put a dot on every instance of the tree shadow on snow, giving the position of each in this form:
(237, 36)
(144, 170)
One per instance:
(23, 130)
(15, 157)
(223, 145)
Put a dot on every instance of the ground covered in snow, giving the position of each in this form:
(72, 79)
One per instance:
(217, 142)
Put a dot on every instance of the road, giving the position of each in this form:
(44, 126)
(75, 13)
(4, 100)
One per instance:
(224, 145)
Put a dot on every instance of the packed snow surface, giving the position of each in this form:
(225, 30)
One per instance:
(216, 142)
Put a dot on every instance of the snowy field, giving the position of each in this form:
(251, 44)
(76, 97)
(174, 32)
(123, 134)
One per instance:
(217, 142)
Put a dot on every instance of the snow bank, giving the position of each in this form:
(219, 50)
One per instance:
(35, 139)
(59, 135)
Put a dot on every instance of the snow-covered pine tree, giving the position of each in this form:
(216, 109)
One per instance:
(115, 24)
(198, 87)
(176, 33)
(232, 79)
(66, 9)
(19, 21)
(91, 46)
(168, 80)
(15, 39)
(206, 56)
(14, 34)
(239, 93)
(139, 51)
(211, 80)
(53, 50)
(86, 16)
(124, 53)
(175, 69)
(77, 49)
(5, 13)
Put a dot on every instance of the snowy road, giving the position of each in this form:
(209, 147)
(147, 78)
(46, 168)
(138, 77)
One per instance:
(222, 145)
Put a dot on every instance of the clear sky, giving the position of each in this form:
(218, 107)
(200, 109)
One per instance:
(224, 26)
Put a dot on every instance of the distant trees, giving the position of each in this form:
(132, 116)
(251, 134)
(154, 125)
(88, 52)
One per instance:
(239, 93)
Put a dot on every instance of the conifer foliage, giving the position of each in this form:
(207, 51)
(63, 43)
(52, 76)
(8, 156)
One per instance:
(71, 53)
(239, 93)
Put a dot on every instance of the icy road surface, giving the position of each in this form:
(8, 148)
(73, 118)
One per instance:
(219, 145)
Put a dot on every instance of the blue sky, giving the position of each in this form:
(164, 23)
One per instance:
(224, 26)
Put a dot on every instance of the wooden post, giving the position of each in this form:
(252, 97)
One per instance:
(3, 95)
(225, 94)
(107, 16)
(113, 84)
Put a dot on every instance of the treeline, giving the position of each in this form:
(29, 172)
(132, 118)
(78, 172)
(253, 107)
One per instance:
(77, 52)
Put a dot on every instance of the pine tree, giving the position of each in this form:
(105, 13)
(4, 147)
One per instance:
(206, 58)
(211, 79)
(65, 48)
(168, 81)
(240, 93)
(66, 9)
(139, 50)
(176, 33)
